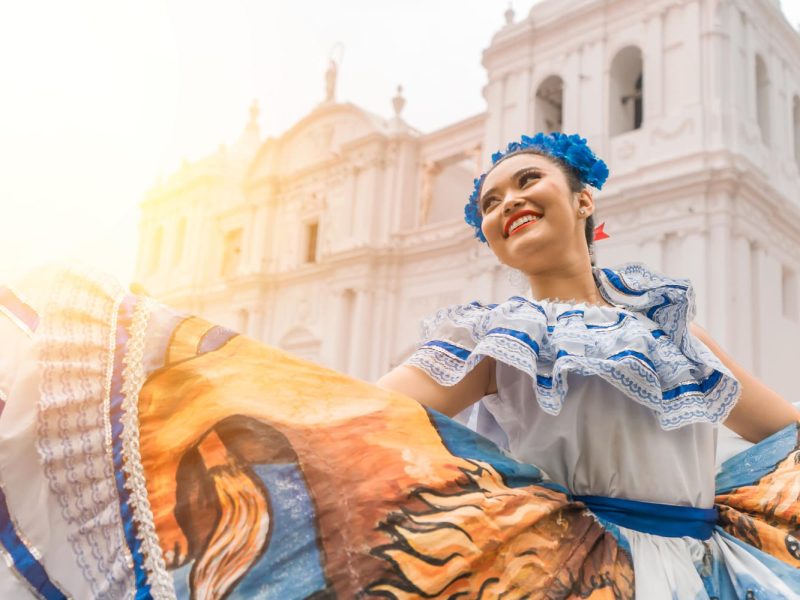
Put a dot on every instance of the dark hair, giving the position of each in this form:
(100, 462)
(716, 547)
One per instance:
(575, 186)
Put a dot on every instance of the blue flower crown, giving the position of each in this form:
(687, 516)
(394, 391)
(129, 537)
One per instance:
(568, 149)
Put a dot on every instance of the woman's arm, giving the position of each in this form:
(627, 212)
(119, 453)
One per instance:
(449, 400)
(760, 411)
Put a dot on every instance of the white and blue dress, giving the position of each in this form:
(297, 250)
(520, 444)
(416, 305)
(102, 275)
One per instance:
(621, 404)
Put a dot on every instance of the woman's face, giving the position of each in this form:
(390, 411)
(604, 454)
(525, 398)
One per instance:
(531, 217)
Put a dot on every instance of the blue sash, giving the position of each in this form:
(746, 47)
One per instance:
(666, 520)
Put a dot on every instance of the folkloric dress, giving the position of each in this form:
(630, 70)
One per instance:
(148, 453)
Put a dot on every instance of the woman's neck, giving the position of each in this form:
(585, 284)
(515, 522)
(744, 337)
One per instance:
(569, 284)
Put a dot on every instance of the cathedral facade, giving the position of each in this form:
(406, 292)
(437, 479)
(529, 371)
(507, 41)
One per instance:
(335, 239)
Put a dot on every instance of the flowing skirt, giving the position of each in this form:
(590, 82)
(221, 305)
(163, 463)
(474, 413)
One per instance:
(148, 453)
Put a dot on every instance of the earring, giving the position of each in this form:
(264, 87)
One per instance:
(582, 211)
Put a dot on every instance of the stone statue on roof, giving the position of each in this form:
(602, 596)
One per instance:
(330, 80)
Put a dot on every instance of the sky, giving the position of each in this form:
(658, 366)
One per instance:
(99, 98)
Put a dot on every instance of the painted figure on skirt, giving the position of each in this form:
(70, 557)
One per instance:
(148, 453)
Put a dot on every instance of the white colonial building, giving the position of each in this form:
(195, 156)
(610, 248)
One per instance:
(335, 239)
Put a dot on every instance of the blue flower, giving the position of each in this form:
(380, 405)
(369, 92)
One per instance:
(472, 213)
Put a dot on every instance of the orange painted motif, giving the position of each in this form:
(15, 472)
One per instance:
(397, 514)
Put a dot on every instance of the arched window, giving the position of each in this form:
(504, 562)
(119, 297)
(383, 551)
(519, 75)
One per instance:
(796, 122)
(762, 98)
(548, 111)
(626, 89)
(638, 103)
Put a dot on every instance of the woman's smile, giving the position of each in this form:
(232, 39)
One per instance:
(520, 220)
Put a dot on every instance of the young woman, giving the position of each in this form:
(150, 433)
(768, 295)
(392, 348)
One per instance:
(599, 377)
(147, 453)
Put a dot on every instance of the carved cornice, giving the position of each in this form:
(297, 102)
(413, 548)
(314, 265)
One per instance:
(732, 196)
(469, 127)
(174, 191)
(433, 235)
(769, 22)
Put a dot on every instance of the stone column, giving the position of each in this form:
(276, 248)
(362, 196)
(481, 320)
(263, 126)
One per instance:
(366, 204)
(258, 246)
(266, 316)
(653, 66)
(206, 260)
(394, 321)
(694, 254)
(717, 77)
(570, 116)
(351, 201)
(651, 252)
(692, 93)
(759, 288)
(493, 138)
(361, 335)
(749, 70)
(720, 275)
(743, 308)
(246, 248)
(341, 342)
(379, 340)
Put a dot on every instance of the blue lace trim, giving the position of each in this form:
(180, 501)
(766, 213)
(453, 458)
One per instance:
(644, 350)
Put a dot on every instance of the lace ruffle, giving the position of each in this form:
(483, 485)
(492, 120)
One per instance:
(75, 347)
(92, 370)
(642, 346)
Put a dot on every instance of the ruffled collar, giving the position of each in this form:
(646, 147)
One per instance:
(631, 287)
(641, 345)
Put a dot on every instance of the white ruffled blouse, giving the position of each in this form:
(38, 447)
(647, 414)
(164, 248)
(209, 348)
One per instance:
(613, 401)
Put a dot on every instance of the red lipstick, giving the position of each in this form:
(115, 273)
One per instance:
(516, 216)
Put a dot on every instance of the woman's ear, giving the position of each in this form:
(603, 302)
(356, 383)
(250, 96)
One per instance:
(586, 202)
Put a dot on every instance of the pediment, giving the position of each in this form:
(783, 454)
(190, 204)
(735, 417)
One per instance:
(315, 139)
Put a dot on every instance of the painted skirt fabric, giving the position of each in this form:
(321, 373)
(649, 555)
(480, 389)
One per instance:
(146, 453)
